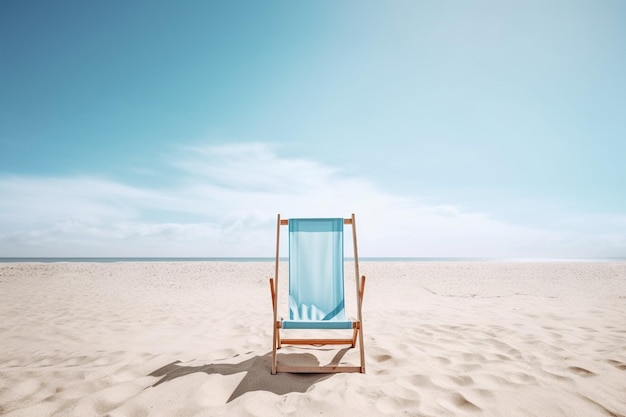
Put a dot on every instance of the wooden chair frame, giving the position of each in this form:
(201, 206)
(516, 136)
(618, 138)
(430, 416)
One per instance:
(357, 326)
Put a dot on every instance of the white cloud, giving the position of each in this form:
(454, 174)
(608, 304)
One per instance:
(253, 167)
(226, 201)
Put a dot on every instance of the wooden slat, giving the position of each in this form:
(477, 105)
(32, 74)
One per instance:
(276, 332)
(285, 222)
(359, 292)
(317, 341)
(316, 369)
(272, 290)
(355, 325)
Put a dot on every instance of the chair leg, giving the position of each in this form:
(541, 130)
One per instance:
(275, 338)
(355, 333)
(362, 349)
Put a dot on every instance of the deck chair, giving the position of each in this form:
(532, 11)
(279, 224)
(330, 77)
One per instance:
(316, 290)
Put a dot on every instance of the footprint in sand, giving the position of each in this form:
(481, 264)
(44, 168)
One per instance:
(382, 358)
(459, 402)
(617, 364)
(581, 371)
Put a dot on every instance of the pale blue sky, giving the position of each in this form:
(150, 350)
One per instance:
(162, 128)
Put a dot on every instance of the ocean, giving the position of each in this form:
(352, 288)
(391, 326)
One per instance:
(271, 259)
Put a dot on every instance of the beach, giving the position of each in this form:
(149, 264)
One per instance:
(194, 339)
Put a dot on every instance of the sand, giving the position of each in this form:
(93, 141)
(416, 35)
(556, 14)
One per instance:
(194, 339)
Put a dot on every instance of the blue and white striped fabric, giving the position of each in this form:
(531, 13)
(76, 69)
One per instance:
(316, 289)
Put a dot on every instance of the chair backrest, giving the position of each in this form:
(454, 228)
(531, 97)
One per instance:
(316, 287)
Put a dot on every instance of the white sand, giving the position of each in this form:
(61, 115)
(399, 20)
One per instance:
(192, 339)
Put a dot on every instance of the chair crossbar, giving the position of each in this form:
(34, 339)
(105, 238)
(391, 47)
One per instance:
(316, 341)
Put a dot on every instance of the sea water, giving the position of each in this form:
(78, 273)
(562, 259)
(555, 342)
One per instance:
(271, 259)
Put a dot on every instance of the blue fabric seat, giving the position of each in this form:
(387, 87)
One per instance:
(316, 290)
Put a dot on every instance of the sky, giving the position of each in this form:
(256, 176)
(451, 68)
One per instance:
(451, 129)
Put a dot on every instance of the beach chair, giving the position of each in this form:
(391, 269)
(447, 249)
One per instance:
(316, 291)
